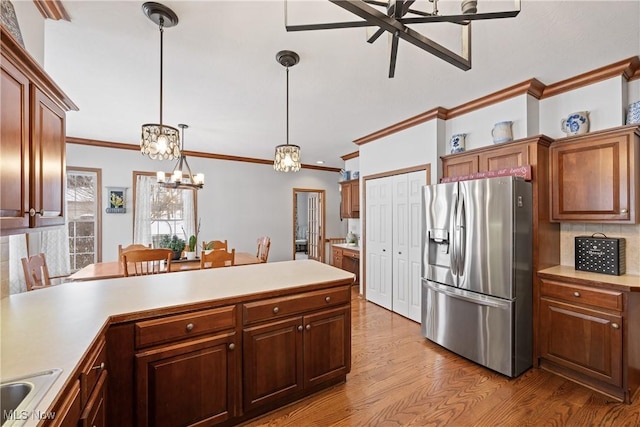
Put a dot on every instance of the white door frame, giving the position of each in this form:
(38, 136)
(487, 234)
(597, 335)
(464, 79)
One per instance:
(322, 211)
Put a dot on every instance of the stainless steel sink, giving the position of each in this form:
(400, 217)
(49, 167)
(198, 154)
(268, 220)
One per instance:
(20, 396)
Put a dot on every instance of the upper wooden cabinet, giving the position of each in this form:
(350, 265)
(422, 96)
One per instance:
(594, 177)
(32, 129)
(350, 199)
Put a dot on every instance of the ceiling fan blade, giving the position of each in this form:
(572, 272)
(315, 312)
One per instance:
(376, 3)
(394, 53)
(375, 35)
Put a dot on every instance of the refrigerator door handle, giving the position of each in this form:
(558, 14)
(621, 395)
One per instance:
(460, 234)
(453, 259)
(467, 296)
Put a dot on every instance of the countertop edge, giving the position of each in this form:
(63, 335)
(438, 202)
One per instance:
(625, 282)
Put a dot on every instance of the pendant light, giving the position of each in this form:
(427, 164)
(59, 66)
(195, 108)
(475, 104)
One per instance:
(181, 176)
(160, 141)
(287, 157)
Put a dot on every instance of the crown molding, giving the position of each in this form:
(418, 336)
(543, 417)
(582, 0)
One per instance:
(132, 147)
(52, 9)
(436, 113)
(350, 155)
(625, 68)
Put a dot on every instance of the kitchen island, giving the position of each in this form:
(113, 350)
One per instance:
(227, 344)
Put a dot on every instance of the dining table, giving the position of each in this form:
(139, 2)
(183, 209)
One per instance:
(114, 269)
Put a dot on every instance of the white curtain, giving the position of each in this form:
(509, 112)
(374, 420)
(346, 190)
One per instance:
(188, 207)
(55, 246)
(142, 222)
(17, 251)
(142, 219)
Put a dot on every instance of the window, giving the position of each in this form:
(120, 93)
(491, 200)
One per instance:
(161, 211)
(83, 216)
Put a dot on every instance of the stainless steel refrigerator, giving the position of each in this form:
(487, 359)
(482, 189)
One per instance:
(477, 271)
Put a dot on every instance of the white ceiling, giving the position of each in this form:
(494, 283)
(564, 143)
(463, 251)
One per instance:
(221, 77)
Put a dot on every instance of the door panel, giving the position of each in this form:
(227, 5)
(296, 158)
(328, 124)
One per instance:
(378, 241)
(400, 299)
(416, 180)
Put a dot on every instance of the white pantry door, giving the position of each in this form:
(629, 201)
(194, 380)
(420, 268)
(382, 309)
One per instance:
(378, 241)
(407, 250)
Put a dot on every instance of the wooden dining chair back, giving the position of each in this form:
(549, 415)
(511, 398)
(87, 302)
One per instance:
(219, 258)
(216, 245)
(263, 248)
(142, 262)
(131, 248)
(36, 273)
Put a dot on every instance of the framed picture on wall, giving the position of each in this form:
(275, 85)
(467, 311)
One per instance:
(116, 199)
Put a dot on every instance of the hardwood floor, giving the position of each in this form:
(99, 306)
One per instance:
(399, 378)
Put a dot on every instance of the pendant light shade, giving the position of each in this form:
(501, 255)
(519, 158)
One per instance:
(160, 141)
(287, 156)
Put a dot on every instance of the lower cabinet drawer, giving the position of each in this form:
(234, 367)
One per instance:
(279, 307)
(95, 365)
(600, 298)
(172, 328)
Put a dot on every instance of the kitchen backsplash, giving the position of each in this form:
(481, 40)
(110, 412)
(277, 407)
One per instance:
(631, 234)
(4, 266)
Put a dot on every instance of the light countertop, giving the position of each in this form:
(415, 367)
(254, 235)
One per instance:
(630, 281)
(54, 327)
(347, 246)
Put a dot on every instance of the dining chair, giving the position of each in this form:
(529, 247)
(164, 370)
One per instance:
(263, 248)
(142, 262)
(216, 245)
(218, 258)
(36, 273)
(131, 247)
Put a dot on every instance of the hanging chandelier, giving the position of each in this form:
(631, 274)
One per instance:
(160, 141)
(287, 157)
(395, 17)
(181, 176)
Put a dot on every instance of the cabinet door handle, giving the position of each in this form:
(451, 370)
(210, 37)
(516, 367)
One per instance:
(384, 250)
(615, 326)
(189, 327)
(300, 328)
(623, 210)
(33, 212)
(327, 299)
(99, 367)
(308, 327)
(275, 310)
(576, 294)
(232, 346)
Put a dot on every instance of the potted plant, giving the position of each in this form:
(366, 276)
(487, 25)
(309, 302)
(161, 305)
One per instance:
(190, 253)
(174, 243)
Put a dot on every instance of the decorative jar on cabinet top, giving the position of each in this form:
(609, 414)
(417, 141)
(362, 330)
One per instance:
(576, 123)
(502, 132)
(456, 143)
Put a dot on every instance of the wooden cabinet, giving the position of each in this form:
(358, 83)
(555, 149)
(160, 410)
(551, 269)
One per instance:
(347, 259)
(350, 199)
(294, 344)
(493, 157)
(84, 401)
(595, 176)
(32, 123)
(584, 331)
(188, 374)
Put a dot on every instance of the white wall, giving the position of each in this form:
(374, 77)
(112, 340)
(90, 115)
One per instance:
(605, 101)
(239, 202)
(31, 27)
(477, 125)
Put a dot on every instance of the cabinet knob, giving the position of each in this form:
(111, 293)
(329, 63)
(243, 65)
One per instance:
(300, 328)
(189, 327)
(576, 294)
(308, 327)
(623, 210)
(99, 367)
(327, 299)
(232, 346)
(275, 310)
(615, 326)
(33, 212)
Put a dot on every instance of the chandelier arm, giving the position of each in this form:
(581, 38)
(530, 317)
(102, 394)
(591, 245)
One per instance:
(287, 105)
(376, 35)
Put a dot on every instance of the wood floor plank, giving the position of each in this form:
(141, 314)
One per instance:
(399, 378)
